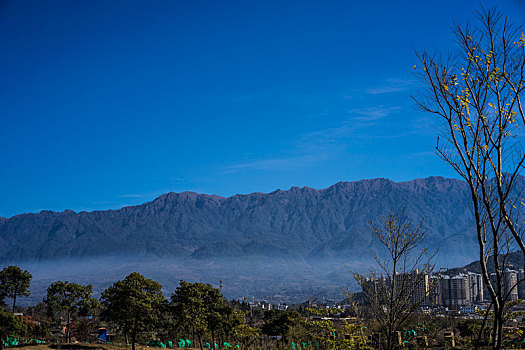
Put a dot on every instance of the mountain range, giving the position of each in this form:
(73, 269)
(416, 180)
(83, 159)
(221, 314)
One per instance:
(300, 223)
(281, 235)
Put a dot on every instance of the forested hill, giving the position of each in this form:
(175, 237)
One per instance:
(298, 223)
(513, 260)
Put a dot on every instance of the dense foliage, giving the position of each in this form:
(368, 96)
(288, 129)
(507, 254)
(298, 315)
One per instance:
(14, 282)
(10, 325)
(198, 308)
(134, 305)
(67, 300)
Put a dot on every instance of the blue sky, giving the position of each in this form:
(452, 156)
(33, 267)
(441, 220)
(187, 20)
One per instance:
(112, 103)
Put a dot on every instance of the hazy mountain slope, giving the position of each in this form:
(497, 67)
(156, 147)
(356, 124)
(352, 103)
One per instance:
(513, 260)
(298, 223)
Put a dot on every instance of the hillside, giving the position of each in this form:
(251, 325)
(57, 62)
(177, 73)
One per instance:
(513, 260)
(297, 223)
(281, 246)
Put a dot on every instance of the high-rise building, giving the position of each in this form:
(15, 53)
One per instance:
(420, 286)
(435, 297)
(521, 284)
(475, 282)
(509, 284)
(414, 288)
(455, 291)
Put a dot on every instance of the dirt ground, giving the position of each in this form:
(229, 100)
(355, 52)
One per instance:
(83, 346)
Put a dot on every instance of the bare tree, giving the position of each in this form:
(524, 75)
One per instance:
(477, 96)
(402, 282)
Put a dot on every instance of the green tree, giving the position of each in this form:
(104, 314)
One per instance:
(279, 323)
(135, 304)
(10, 325)
(14, 282)
(325, 335)
(245, 335)
(221, 317)
(198, 307)
(70, 299)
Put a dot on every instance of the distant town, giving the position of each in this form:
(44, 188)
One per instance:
(460, 293)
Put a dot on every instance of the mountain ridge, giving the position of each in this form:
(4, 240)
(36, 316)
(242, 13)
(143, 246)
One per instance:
(192, 193)
(302, 222)
(291, 242)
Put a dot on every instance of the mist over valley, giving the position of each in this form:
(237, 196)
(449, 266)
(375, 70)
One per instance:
(282, 246)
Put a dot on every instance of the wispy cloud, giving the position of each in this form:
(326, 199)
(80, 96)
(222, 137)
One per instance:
(373, 113)
(131, 195)
(308, 149)
(281, 164)
(392, 85)
(102, 202)
(321, 145)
